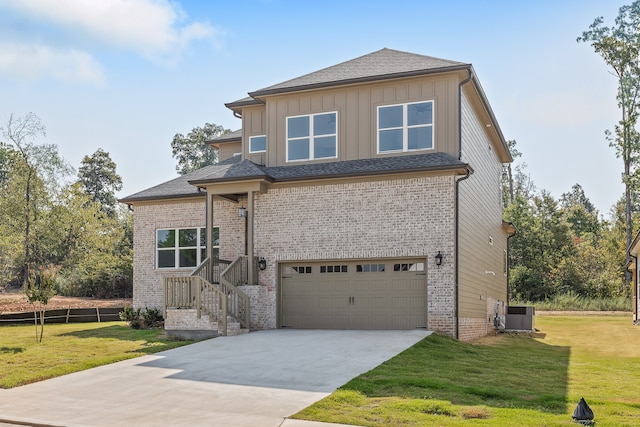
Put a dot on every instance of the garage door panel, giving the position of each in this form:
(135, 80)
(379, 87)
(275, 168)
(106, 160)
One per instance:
(367, 294)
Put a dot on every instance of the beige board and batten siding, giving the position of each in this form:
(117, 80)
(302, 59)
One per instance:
(482, 237)
(228, 149)
(356, 107)
(254, 123)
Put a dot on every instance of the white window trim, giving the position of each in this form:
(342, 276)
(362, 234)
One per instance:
(311, 136)
(259, 151)
(405, 128)
(177, 248)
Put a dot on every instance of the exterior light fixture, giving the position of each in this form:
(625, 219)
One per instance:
(439, 259)
(262, 263)
(242, 212)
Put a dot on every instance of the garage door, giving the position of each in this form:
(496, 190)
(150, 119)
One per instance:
(366, 294)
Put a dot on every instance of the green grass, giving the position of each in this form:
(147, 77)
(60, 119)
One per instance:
(501, 381)
(70, 348)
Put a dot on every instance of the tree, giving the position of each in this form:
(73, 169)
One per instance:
(32, 179)
(507, 175)
(619, 47)
(192, 151)
(98, 176)
(39, 290)
(580, 213)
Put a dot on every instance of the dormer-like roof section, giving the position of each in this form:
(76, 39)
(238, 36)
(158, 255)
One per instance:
(380, 65)
(235, 136)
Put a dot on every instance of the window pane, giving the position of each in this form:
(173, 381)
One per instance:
(188, 237)
(324, 147)
(297, 127)
(203, 237)
(258, 143)
(298, 149)
(324, 124)
(390, 140)
(188, 257)
(420, 138)
(390, 117)
(216, 236)
(166, 259)
(203, 254)
(166, 238)
(215, 253)
(419, 114)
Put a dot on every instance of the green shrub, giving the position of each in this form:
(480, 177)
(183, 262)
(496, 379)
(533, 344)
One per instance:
(141, 319)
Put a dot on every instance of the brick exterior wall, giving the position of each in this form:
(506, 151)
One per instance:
(147, 218)
(380, 219)
(395, 218)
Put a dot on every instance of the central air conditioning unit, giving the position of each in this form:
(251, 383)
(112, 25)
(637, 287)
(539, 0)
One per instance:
(520, 318)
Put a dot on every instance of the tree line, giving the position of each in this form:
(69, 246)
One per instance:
(563, 246)
(51, 220)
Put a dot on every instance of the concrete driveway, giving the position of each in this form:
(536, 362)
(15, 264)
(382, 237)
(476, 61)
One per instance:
(253, 380)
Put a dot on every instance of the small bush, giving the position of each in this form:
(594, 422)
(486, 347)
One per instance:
(129, 314)
(151, 317)
(141, 319)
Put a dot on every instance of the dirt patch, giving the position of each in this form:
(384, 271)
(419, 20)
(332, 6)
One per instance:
(16, 302)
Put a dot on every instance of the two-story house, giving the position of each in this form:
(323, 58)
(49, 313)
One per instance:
(366, 195)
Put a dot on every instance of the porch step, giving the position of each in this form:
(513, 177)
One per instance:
(186, 320)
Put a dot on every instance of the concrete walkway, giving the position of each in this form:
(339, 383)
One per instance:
(253, 380)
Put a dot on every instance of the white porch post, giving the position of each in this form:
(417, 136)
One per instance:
(209, 224)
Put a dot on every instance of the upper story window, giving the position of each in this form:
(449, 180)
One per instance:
(405, 127)
(258, 144)
(311, 137)
(184, 247)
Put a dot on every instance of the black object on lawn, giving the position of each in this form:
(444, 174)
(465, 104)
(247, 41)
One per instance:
(583, 414)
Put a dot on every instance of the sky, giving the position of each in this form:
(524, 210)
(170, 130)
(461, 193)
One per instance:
(127, 75)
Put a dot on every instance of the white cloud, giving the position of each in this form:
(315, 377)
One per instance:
(149, 27)
(35, 61)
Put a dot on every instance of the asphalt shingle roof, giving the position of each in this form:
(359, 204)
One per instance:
(179, 187)
(234, 169)
(234, 136)
(383, 63)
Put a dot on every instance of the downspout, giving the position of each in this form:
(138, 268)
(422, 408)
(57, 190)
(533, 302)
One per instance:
(509, 236)
(634, 293)
(456, 272)
(237, 115)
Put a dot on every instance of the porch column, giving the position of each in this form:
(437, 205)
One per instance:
(249, 238)
(209, 224)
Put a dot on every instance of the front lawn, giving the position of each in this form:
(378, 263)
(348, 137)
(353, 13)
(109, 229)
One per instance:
(502, 381)
(73, 347)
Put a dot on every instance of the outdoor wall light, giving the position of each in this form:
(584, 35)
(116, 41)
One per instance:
(439, 259)
(242, 212)
(262, 263)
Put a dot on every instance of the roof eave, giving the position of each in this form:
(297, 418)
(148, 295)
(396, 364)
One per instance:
(199, 182)
(494, 120)
(130, 200)
(462, 168)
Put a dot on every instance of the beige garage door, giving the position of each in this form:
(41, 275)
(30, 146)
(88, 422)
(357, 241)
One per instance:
(367, 294)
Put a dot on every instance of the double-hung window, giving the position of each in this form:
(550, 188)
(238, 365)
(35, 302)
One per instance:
(405, 127)
(258, 144)
(312, 136)
(184, 247)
